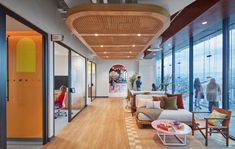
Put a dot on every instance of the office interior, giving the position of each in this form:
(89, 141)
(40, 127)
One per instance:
(38, 67)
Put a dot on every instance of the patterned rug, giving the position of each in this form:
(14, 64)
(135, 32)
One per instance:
(146, 138)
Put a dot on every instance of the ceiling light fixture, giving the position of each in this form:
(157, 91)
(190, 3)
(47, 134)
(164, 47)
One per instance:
(128, 56)
(105, 52)
(204, 23)
(101, 46)
(107, 56)
(96, 35)
(133, 45)
(139, 35)
(155, 49)
(130, 52)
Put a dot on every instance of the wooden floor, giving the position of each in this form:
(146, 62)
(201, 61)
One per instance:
(103, 126)
(99, 126)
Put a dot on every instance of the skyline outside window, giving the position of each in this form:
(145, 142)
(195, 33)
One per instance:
(168, 72)
(232, 78)
(182, 74)
(207, 64)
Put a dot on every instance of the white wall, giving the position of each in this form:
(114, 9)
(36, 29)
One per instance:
(44, 15)
(147, 69)
(103, 67)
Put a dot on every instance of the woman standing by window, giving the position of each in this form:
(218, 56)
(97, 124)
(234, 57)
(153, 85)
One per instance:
(213, 93)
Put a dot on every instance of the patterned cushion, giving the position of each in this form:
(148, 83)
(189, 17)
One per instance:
(216, 114)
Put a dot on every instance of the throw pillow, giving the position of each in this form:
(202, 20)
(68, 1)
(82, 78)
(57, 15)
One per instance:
(216, 114)
(153, 105)
(180, 103)
(170, 103)
(161, 99)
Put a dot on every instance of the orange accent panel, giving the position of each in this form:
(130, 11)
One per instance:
(24, 108)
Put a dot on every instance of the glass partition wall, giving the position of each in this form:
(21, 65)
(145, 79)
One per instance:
(93, 78)
(78, 83)
(61, 80)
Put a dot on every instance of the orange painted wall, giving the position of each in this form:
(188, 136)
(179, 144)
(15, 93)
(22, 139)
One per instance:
(24, 108)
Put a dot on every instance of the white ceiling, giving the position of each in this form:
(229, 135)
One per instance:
(171, 5)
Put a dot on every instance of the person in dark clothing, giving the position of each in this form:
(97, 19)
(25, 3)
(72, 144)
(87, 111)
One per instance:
(138, 83)
(154, 88)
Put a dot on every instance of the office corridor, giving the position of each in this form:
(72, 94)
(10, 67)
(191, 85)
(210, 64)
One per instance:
(99, 126)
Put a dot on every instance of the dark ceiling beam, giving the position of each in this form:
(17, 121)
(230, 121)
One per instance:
(182, 19)
(186, 16)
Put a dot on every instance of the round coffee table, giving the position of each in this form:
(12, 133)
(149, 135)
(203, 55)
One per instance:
(180, 134)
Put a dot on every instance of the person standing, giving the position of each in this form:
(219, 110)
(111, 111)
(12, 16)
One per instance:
(199, 94)
(138, 83)
(213, 93)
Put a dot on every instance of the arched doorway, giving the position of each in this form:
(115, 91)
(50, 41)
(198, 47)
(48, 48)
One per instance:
(117, 81)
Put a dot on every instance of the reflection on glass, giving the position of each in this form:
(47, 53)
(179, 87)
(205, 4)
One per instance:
(232, 79)
(77, 83)
(207, 65)
(93, 80)
(89, 69)
(182, 74)
(158, 72)
(168, 73)
(61, 80)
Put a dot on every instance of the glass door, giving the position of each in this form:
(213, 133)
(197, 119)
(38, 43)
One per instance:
(24, 83)
(93, 84)
(61, 84)
(89, 83)
(78, 85)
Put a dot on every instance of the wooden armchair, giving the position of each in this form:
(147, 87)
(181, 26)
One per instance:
(202, 124)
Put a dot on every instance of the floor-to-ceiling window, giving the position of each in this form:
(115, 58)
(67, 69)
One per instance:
(158, 71)
(168, 71)
(232, 76)
(207, 70)
(182, 73)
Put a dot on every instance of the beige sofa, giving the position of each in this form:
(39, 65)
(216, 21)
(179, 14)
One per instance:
(181, 115)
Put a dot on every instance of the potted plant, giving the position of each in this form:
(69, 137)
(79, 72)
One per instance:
(132, 80)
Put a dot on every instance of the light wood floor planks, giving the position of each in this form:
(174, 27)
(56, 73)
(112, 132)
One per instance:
(102, 126)
(99, 126)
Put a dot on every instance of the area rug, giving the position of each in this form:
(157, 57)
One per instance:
(147, 138)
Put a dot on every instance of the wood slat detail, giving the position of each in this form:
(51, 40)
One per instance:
(103, 27)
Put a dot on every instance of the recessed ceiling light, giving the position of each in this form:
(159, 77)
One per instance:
(204, 23)
(130, 52)
(105, 52)
(107, 56)
(96, 35)
(133, 45)
(139, 35)
(128, 56)
(101, 46)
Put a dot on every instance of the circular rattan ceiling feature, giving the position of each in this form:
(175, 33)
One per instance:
(105, 27)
